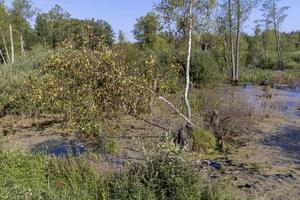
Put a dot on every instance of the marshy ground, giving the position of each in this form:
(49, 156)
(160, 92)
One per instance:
(266, 167)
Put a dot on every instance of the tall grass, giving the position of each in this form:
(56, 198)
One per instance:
(163, 175)
(270, 77)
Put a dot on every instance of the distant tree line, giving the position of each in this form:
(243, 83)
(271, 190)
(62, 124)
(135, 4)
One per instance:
(217, 32)
(50, 29)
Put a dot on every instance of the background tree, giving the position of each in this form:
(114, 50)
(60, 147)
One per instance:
(4, 32)
(273, 18)
(21, 12)
(186, 16)
(57, 26)
(146, 30)
(121, 37)
(50, 26)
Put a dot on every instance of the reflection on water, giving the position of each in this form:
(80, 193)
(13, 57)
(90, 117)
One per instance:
(287, 98)
(66, 150)
(59, 148)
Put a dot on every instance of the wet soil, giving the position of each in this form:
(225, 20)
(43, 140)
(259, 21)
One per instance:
(267, 167)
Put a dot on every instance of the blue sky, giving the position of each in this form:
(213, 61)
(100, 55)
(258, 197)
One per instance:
(122, 14)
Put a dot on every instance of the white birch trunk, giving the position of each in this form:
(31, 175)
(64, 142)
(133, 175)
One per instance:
(12, 45)
(5, 46)
(2, 57)
(188, 63)
(22, 43)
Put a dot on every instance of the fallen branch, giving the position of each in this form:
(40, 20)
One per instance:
(164, 100)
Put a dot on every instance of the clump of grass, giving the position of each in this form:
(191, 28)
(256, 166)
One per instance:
(204, 141)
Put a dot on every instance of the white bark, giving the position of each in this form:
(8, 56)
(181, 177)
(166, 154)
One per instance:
(22, 43)
(5, 46)
(238, 33)
(12, 45)
(233, 78)
(2, 57)
(188, 63)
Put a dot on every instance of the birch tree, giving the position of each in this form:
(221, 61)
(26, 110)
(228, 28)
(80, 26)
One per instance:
(186, 16)
(274, 16)
(12, 48)
(238, 12)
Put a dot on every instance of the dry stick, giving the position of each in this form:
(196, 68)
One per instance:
(164, 100)
(5, 46)
(12, 45)
(2, 57)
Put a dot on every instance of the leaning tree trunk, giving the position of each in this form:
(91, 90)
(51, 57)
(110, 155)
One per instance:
(233, 79)
(188, 63)
(238, 35)
(2, 57)
(22, 43)
(12, 45)
(277, 38)
(262, 47)
(225, 54)
(4, 44)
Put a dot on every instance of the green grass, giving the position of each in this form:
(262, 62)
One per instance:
(163, 175)
(257, 76)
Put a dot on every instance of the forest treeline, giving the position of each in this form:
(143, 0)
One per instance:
(217, 37)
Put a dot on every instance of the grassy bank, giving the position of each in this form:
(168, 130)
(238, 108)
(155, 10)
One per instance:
(270, 77)
(163, 175)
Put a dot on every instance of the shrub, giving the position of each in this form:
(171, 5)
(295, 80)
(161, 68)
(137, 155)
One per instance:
(204, 141)
(294, 56)
(13, 75)
(162, 175)
(84, 85)
(204, 69)
(231, 118)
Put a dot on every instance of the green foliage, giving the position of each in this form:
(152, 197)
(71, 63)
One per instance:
(257, 75)
(84, 85)
(204, 141)
(14, 75)
(146, 30)
(204, 69)
(163, 175)
(57, 26)
(270, 77)
(159, 177)
(39, 177)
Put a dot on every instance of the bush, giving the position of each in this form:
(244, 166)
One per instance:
(294, 56)
(84, 85)
(13, 77)
(204, 69)
(204, 141)
(232, 119)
